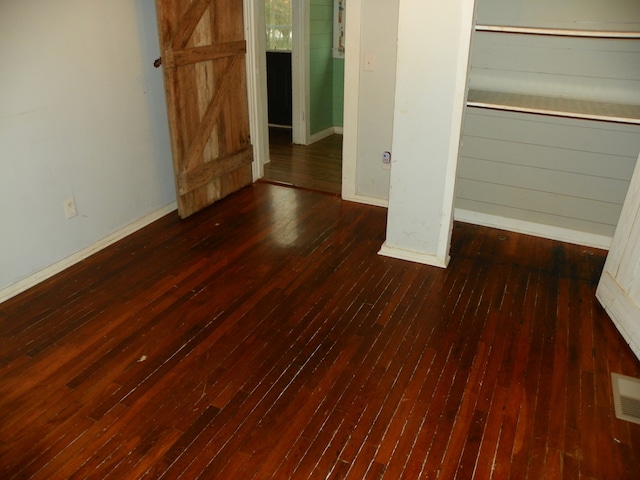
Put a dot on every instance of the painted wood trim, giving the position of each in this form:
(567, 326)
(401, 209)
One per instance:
(562, 107)
(619, 286)
(412, 256)
(256, 85)
(619, 251)
(532, 228)
(619, 306)
(623, 261)
(376, 202)
(327, 132)
(557, 31)
(510, 224)
(351, 84)
(457, 121)
(42, 275)
(300, 104)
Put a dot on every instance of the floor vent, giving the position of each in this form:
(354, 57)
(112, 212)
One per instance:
(626, 397)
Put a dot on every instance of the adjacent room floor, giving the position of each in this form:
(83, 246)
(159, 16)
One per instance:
(317, 166)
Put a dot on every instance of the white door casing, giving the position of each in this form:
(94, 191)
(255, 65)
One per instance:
(254, 17)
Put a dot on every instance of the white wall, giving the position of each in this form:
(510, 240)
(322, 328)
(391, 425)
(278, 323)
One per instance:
(371, 28)
(379, 37)
(82, 114)
(429, 102)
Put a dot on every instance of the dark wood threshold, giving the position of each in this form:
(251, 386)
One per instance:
(299, 187)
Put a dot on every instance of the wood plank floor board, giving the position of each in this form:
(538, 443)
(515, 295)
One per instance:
(324, 426)
(471, 417)
(265, 338)
(73, 453)
(497, 434)
(374, 422)
(299, 423)
(409, 449)
(317, 166)
(365, 391)
(448, 440)
(336, 424)
(278, 353)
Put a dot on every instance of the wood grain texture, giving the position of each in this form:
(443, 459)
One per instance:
(203, 48)
(265, 338)
(317, 166)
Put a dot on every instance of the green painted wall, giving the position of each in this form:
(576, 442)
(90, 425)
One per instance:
(324, 71)
(338, 92)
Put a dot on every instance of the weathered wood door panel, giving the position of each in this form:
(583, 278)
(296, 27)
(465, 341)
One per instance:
(203, 58)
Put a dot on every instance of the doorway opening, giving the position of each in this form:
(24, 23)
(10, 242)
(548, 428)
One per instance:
(305, 92)
(279, 47)
(317, 166)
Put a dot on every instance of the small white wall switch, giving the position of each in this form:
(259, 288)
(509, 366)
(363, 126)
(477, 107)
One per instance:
(70, 209)
(369, 62)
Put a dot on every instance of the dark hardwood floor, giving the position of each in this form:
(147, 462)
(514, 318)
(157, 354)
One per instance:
(265, 338)
(317, 166)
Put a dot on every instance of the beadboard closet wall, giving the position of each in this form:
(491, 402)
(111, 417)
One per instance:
(552, 125)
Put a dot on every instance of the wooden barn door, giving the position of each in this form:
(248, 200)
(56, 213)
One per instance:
(203, 59)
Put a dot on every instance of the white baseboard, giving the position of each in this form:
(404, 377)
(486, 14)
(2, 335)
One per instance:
(376, 202)
(535, 229)
(38, 277)
(624, 313)
(519, 226)
(322, 134)
(412, 256)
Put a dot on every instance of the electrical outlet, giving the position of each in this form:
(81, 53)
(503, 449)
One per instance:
(70, 209)
(386, 160)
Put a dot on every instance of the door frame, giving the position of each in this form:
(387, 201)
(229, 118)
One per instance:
(300, 71)
(254, 29)
(254, 25)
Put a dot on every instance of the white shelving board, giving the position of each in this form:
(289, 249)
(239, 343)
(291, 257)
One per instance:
(562, 107)
(558, 31)
(553, 133)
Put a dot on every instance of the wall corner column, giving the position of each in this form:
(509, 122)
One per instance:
(434, 40)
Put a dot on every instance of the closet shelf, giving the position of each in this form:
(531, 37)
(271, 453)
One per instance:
(562, 107)
(558, 31)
